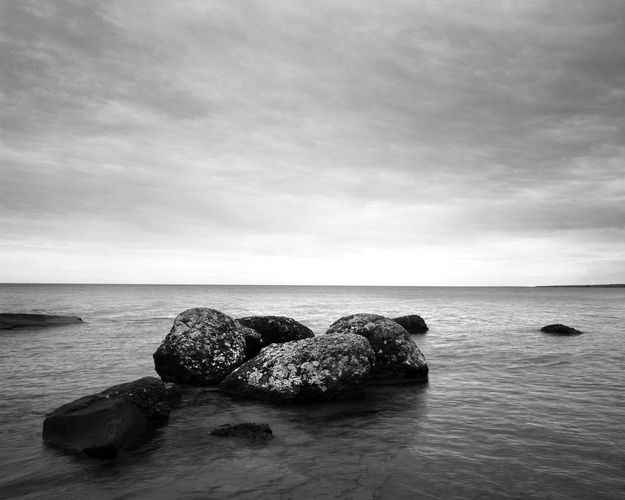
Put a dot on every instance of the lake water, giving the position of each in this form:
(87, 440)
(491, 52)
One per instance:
(509, 412)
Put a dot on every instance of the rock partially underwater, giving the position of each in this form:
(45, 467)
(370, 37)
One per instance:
(314, 369)
(117, 419)
(251, 430)
(558, 329)
(396, 355)
(276, 330)
(203, 346)
(10, 320)
(413, 323)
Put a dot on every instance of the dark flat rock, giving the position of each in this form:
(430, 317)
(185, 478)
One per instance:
(247, 430)
(558, 329)
(9, 320)
(119, 418)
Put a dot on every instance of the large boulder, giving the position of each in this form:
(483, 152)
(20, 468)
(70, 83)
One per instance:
(203, 346)
(558, 329)
(277, 329)
(116, 419)
(315, 369)
(396, 355)
(413, 323)
(11, 320)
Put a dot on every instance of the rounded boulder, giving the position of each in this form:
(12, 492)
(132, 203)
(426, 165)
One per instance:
(203, 346)
(413, 323)
(396, 355)
(314, 369)
(276, 329)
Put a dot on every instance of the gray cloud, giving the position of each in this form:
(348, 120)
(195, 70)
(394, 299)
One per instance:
(305, 129)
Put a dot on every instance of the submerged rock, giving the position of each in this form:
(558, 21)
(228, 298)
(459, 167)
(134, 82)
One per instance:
(9, 320)
(203, 346)
(413, 323)
(314, 369)
(396, 355)
(116, 419)
(276, 329)
(558, 329)
(248, 430)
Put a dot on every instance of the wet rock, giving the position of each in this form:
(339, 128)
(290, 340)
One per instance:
(558, 329)
(413, 323)
(314, 369)
(9, 320)
(203, 346)
(277, 329)
(396, 355)
(104, 424)
(257, 432)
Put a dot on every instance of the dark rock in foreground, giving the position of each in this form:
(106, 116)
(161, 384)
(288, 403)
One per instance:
(413, 323)
(276, 329)
(396, 355)
(117, 419)
(558, 329)
(203, 346)
(315, 369)
(248, 430)
(8, 321)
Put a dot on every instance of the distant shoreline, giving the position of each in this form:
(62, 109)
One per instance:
(614, 285)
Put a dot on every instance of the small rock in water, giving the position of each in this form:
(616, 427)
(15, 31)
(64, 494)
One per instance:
(116, 419)
(247, 430)
(9, 321)
(558, 329)
(413, 323)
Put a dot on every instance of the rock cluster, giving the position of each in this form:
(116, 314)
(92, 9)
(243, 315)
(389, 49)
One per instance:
(271, 358)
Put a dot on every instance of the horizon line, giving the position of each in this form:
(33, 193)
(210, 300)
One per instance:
(311, 285)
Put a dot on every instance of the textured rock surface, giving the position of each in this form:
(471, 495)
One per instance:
(258, 432)
(396, 355)
(203, 346)
(558, 329)
(277, 329)
(314, 369)
(8, 320)
(103, 424)
(413, 323)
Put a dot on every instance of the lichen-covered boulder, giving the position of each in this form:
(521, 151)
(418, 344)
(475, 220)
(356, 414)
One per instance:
(203, 346)
(315, 369)
(116, 419)
(413, 323)
(277, 329)
(396, 355)
(558, 329)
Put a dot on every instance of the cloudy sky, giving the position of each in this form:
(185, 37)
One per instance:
(325, 142)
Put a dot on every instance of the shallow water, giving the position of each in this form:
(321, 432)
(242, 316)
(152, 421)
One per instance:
(509, 412)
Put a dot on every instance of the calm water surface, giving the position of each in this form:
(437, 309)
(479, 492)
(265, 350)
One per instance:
(509, 412)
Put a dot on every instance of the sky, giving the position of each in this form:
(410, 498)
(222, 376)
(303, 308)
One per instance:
(294, 142)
